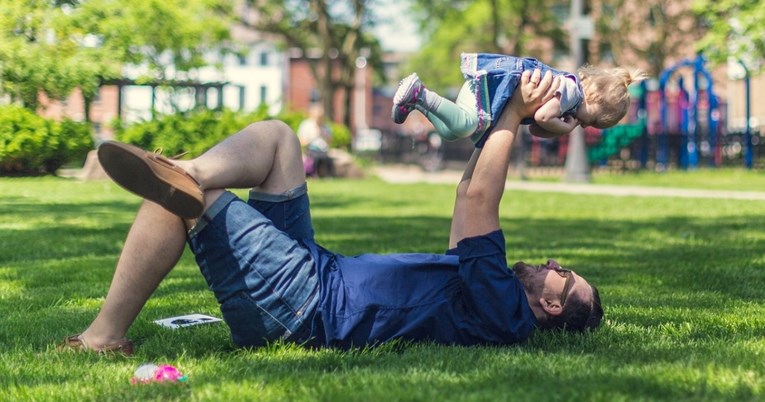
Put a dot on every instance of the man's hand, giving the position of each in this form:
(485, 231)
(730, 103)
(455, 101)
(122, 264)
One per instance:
(532, 92)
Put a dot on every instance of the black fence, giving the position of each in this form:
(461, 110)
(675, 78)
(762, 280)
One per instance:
(647, 151)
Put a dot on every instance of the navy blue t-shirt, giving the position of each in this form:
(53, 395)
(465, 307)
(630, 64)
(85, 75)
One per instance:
(464, 297)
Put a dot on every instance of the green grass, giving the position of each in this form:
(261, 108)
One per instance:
(725, 179)
(681, 280)
(703, 178)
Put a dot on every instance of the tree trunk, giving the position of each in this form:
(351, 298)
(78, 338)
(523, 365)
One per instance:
(87, 102)
(495, 26)
(324, 77)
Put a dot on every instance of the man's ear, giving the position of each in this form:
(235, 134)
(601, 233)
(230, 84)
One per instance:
(551, 307)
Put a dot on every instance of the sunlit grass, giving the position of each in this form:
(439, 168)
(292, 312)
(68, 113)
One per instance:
(681, 281)
(701, 178)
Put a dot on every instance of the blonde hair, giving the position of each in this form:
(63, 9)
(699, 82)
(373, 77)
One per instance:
(609, 89)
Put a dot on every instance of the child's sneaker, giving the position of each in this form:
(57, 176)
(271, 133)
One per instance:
(408, 93)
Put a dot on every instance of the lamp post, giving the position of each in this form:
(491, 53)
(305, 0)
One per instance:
(577, 165)
(748, 153)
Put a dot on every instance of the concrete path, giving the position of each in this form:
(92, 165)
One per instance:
(413, 174)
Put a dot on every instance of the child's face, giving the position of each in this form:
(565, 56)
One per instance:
(588, 114)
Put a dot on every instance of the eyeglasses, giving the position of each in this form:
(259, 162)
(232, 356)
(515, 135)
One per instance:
(565, 273)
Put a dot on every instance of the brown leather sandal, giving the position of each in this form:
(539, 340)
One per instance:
(75, 342)
(152, 176)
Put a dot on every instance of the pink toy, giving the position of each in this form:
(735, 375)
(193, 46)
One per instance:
(149, 372)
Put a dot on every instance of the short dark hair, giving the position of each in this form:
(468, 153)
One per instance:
(577, 315)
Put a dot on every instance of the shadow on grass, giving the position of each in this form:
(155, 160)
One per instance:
(679, 270)
(677, 253)
(689, 256)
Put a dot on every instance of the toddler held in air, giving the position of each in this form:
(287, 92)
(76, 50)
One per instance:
(592, 97)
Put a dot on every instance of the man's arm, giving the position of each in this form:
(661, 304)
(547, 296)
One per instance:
(476, 209)
(460, 215)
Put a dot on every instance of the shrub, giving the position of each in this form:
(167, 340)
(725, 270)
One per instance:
(31, 145)
(341, 136)
(193, 132)
(198, 130)
(74, 140)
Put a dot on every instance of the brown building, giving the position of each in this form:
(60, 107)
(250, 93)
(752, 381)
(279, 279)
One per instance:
(301, 91)
(103, 110)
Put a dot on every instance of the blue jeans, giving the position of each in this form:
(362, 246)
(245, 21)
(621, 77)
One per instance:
(253, 258)
(494, 78)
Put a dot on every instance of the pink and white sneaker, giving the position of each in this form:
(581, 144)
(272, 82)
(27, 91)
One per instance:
(407, 95)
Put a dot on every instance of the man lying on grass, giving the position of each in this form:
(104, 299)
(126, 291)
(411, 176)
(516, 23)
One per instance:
(274, 282)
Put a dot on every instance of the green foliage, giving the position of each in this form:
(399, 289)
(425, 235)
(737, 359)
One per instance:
(736, 30)
(491, 26)
(340, 34)
(54, 47)
(30, 144)
(198, 130)
(24, 140)
(341, 136)
(160, 35)
(193, 132)
(74, 139)
(293, 118)
(460, 30)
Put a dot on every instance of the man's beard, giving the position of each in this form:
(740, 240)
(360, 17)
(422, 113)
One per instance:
(525, 273)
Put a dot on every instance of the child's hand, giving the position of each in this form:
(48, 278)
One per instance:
(555, 127)
(570, 120)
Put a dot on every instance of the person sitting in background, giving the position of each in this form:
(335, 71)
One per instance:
(315, 137)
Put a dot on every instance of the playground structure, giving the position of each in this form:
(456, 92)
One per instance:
(675, 122)
(678, 122)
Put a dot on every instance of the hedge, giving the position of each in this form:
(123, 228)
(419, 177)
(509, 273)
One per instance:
(197, 131)
(33, 145)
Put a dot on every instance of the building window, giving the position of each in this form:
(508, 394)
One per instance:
(241, 59)
(263, 94)
(242, 95)
(264, 59)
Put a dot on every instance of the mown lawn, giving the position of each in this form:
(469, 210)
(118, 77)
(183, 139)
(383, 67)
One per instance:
(682, 283)
(729, 179)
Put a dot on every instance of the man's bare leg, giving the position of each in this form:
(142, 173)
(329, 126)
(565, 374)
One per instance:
(265, 155)
(153, 246)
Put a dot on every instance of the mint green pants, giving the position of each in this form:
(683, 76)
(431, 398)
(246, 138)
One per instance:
(454, 120)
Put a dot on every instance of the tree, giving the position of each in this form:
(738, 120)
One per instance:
(337, 31)
(516, 27)
(167, 40)
(651, 31)
(32, 54)
(55, 46)
(736, 30)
